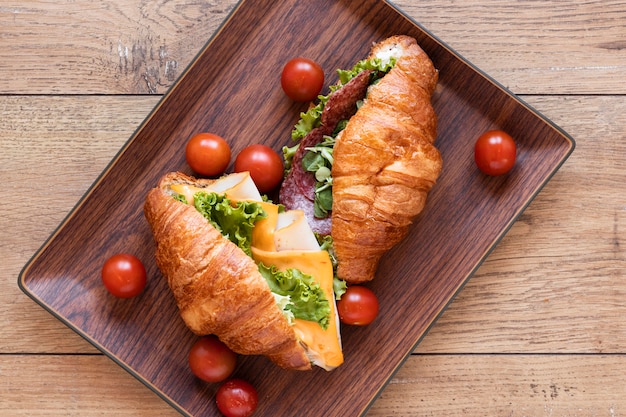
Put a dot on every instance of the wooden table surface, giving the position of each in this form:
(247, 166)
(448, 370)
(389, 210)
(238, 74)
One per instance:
(540, 330)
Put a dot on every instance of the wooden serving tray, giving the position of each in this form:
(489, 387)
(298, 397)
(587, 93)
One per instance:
(232, 88)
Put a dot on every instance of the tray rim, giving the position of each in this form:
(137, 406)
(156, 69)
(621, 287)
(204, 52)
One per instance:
(554, 169)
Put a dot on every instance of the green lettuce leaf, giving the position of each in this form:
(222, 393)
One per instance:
(378, 65)
(180, 197)
(288, 153)
(309, 120)
(306, 299)
(319, 160)
(233, 222)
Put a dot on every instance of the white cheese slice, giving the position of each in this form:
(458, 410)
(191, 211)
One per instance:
(237, 187)
(294, 233)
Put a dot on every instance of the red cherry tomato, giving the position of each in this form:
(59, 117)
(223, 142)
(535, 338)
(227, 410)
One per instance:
(236, 398)
(211, 360)
(124, 275)
(495, 152)
(302, 79)
(263, 163)
(207, 154)
(358, 306)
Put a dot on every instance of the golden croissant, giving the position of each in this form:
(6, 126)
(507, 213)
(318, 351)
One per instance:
(218, 287)
(384, 160)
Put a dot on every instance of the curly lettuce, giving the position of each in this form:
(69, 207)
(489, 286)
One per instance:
(305, 298)
(378, 65)
(235, 222)
(309, 120)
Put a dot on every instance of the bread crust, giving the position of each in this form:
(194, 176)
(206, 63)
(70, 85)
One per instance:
(385, 161)
(217, 287)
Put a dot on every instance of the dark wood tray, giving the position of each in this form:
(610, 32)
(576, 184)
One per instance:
(232, 88)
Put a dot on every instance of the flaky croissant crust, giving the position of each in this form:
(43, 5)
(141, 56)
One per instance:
(385, 162)
(217, 287)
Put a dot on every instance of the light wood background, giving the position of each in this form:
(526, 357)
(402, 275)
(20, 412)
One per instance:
(540, 330)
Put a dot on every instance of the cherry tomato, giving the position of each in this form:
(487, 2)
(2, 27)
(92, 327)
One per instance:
(211, 360)
(302, 79)
(494, 152)
(236, 398)
(207, 154)
(263, 163)
(124, 275)
(358, 306)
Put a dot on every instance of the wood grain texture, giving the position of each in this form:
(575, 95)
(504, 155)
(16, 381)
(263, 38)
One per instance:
(550, 47)
(505, 385)
(556, 279)
(427, 385)
(548, 302)
(141, 46)
(91, 46)
(72, 139)
(78, 393)
(540, 233)
(139, 333)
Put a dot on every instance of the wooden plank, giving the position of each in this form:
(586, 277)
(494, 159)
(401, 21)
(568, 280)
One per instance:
(137, 47)
(538, 331)
(530, 296)
(93, 385)
(506, 385)
(468, 385)
(110, 46)
(538, 47)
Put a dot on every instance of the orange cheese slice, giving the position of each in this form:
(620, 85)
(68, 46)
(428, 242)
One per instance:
(323, 346)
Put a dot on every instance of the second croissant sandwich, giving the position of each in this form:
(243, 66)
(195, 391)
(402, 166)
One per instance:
(366, 159)
(245, 271)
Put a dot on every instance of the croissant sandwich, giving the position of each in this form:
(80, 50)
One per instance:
(366, 159)
(245, 270)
